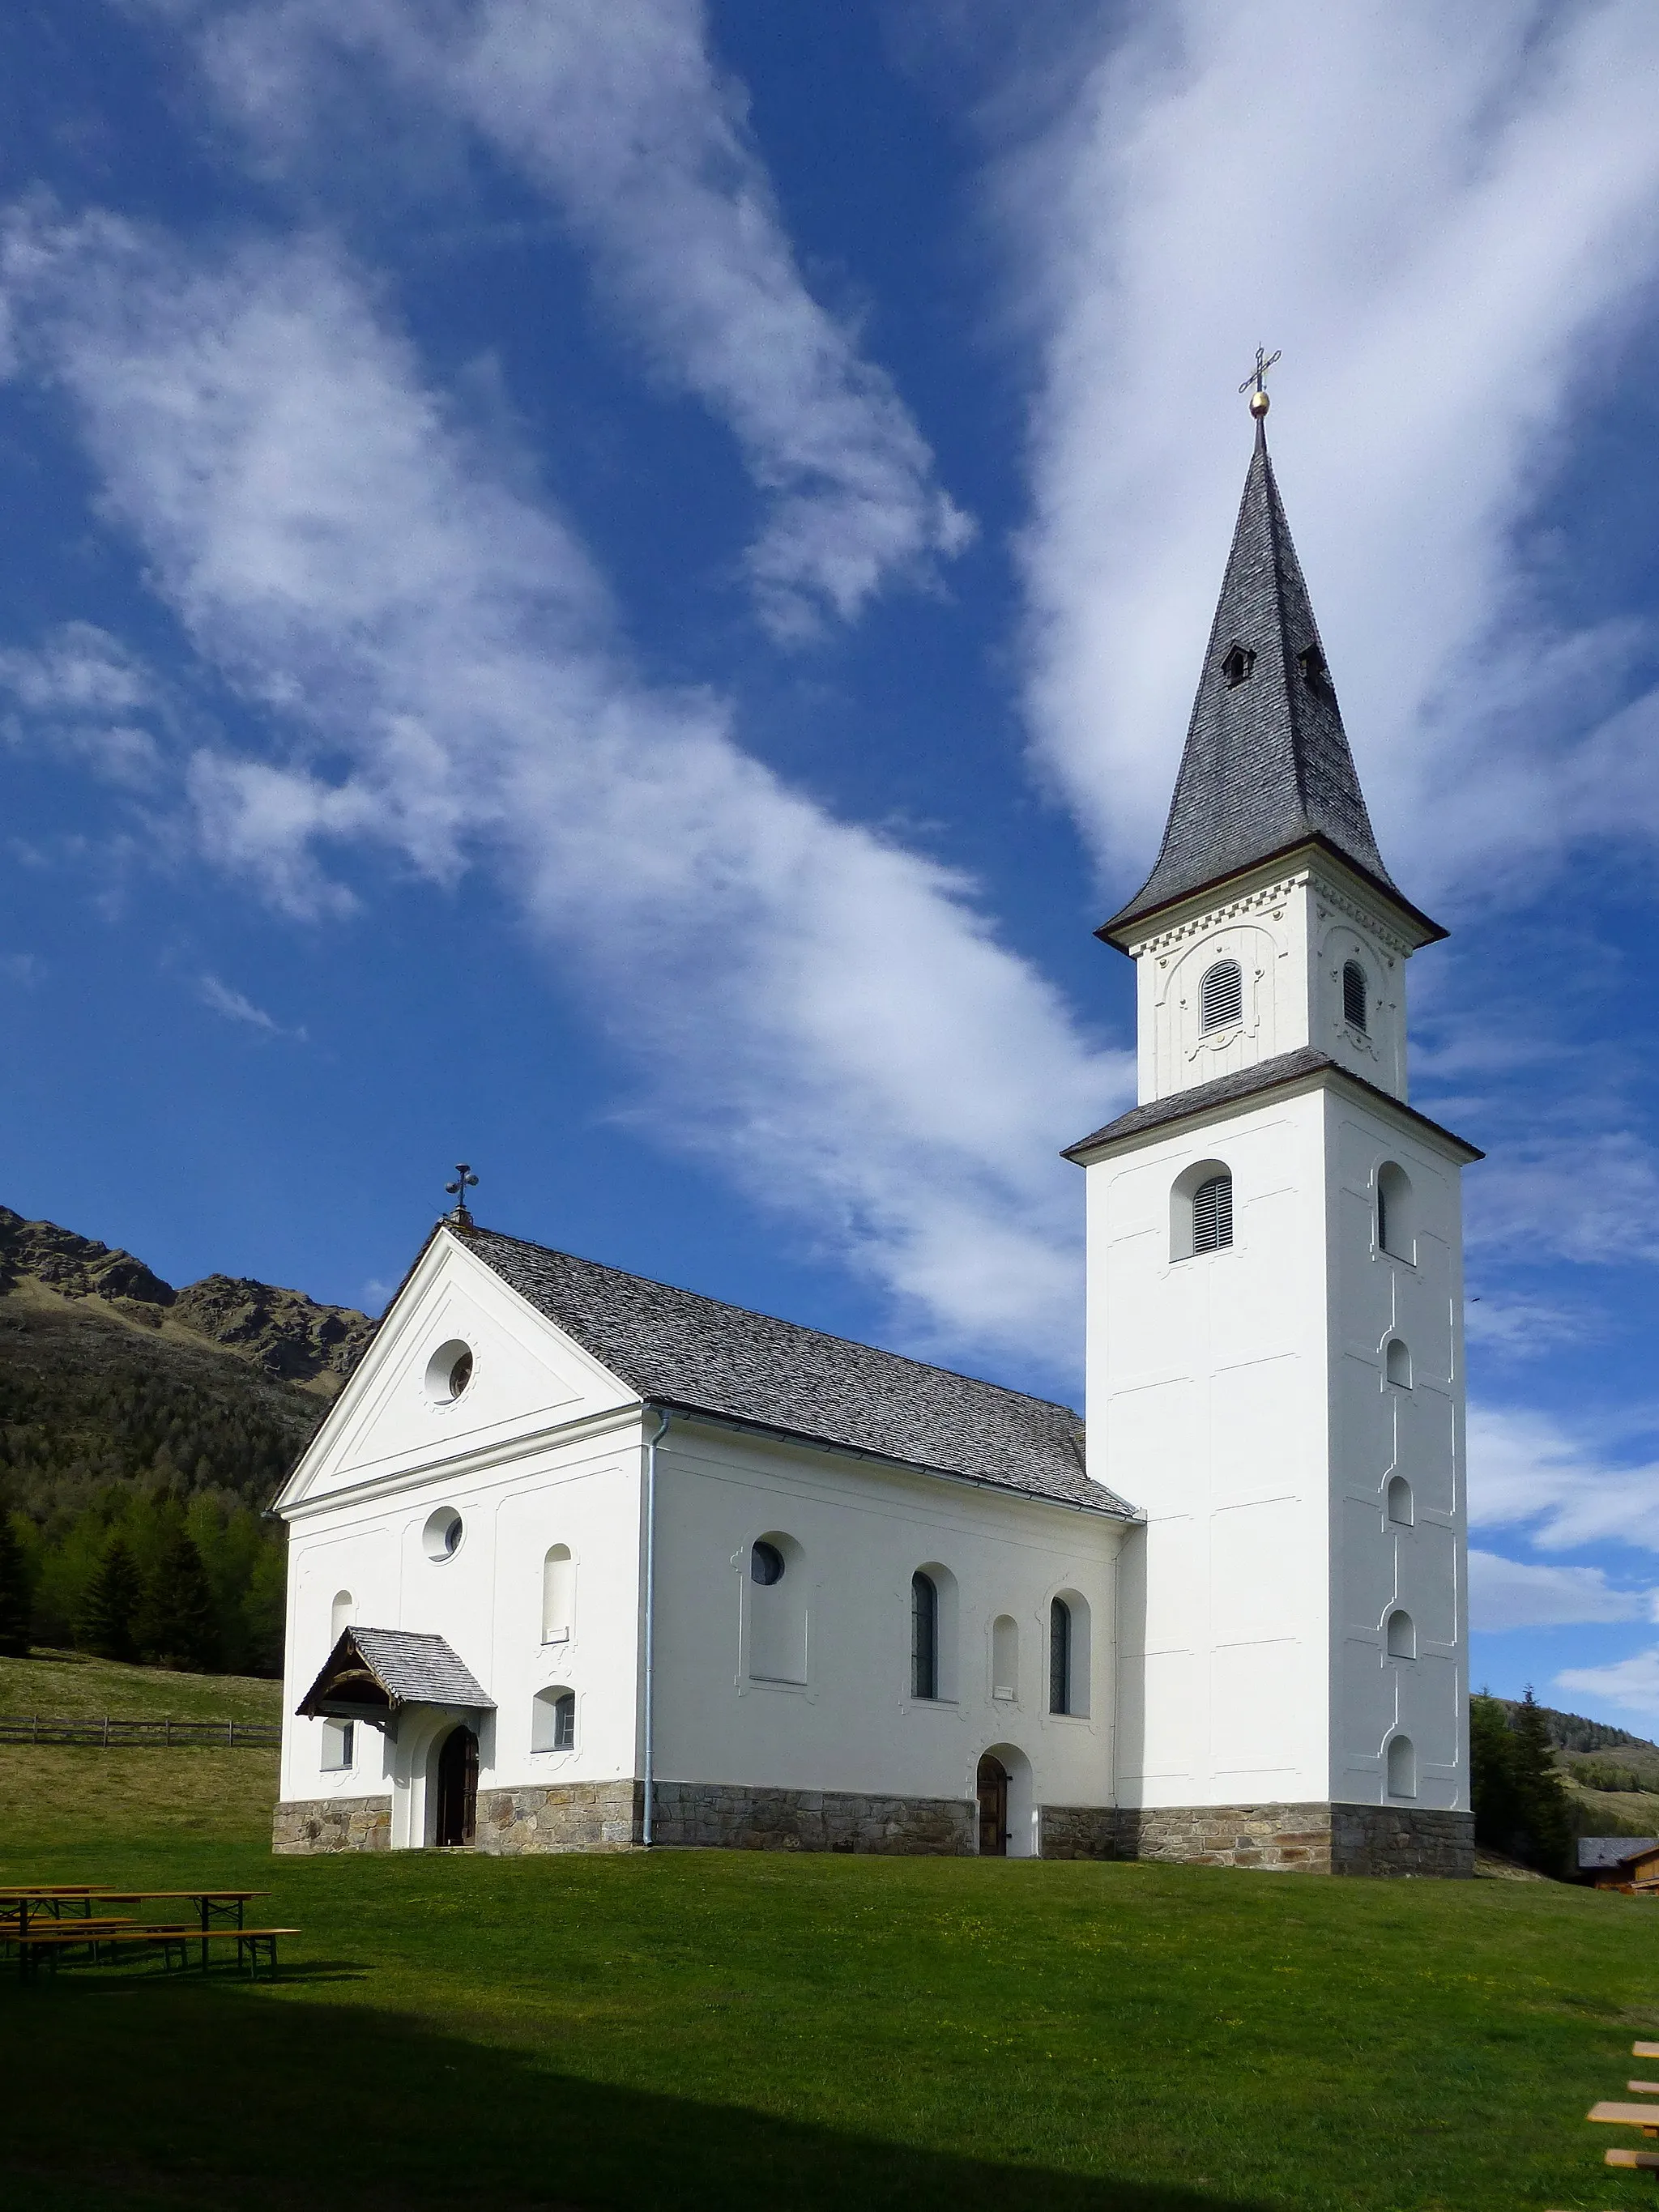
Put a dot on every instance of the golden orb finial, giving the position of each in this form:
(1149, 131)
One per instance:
(1256, 382)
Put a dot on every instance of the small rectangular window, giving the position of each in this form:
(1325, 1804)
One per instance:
(338, 1743)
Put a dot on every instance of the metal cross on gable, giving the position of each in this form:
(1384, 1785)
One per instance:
(464, 1181)
(1256, 382)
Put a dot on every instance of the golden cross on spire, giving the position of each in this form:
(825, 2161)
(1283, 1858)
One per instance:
(1256, 382)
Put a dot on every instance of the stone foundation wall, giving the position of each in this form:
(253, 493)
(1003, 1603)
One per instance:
(331, 1824)
(1401, 1839)
(1080, 1831)
(1346, 1839)
(725, 1816)
(568, 1816)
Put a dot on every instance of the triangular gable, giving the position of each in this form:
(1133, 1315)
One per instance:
(396, 1414)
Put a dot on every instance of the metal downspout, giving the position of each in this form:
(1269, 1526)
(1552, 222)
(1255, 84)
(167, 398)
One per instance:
(649, 1826)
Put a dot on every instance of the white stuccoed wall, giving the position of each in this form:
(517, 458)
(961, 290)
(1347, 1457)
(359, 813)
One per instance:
(546, 1447)
(1238, 1396)
(1290, 928)
(854, 1535)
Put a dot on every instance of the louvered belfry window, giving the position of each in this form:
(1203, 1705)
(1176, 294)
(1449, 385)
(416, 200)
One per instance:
(1213, 1214)
(1353, 995)
(1221, 995)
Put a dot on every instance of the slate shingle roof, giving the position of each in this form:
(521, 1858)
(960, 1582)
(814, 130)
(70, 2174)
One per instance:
(1596, 1851)
(678, 1348)
(412, 1670)
(1267, 765)
(1285, 1067)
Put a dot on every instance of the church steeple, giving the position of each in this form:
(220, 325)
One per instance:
(1266, 766)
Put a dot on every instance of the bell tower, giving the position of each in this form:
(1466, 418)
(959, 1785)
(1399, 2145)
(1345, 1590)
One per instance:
(1274, 1338)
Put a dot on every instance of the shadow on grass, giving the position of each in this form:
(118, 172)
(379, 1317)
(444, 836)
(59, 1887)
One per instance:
(181, 2096)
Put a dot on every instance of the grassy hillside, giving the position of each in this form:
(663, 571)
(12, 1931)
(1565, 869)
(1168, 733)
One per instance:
(128, 1408)
(1611, 1776)
(746, 2032)
(69, 1683)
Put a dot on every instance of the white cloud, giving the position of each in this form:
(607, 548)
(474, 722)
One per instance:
(1449, 222)
(1632, 1684)
(1587, 1196)
(829, 1017)
(78, 693)
(1516, 1326)
(1517, 1593)
(621, 118)
(1526, 1471)
(235, 1007)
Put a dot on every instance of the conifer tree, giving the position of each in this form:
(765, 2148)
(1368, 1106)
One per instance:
(14, 1590)
(178, 1624)
(111, 1607)
(1492, 1760)
(1544, 1814)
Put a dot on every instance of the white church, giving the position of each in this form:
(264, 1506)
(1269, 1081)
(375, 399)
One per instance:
(583, 1562)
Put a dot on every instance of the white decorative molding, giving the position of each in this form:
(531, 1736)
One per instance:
(1368, 917)
(1248, 904)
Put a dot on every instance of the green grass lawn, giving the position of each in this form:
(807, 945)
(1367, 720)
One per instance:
(705, 2029)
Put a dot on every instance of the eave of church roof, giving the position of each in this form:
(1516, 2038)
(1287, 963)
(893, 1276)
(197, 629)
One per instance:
(1285, 1068)
(679, 1349)
(1266, 766)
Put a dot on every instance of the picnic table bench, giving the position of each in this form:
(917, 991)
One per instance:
(45, 1945)
(19, 1903)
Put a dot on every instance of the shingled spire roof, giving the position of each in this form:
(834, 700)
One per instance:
(1266, 766)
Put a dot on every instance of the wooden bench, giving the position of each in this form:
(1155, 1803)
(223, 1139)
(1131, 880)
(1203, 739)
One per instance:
(1644, 2161)
(253, 1944)
(1645, 2117)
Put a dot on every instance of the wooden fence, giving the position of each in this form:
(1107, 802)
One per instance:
(113, 1733)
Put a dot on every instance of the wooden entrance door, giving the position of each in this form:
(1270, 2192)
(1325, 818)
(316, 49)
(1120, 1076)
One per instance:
(993, 1807)
(457, 1788)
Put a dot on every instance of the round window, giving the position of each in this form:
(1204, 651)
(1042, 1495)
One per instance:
(441, 1536)
(766, 1564)
(448, 1371)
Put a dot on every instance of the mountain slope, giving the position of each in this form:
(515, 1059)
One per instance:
(289, 1336)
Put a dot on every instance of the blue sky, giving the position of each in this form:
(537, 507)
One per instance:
(614, 590)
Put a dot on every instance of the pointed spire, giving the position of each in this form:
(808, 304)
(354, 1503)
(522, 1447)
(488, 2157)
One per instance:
(1266, 766)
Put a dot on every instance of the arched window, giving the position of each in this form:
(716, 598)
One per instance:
(777, 1602)
(1402, 1767)
(558, 1594)
(1394, 1228)
(553, 1720)
(1400, 1501)
(1059, 1657)
(1354, 995)
(1399, 1360)
(1221, 996)
(1213, 1214)
(1005, 1656)
(924, 1637)
(1401, 1635)
(339, 1615)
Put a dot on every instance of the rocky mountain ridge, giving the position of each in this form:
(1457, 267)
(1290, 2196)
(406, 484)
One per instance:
(288, 1337)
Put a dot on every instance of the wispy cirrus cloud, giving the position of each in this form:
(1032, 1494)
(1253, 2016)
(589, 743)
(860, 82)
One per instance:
(1563, 1487)
(622, 119)
(829, 1016)
(81, 691)
(1510, 1593)
(236, 1006)
(1448, 224)
(1587, 1196)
